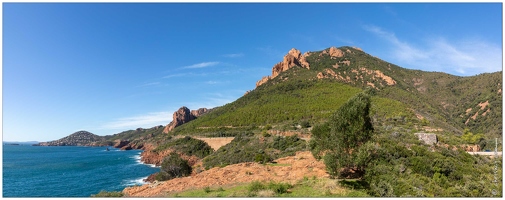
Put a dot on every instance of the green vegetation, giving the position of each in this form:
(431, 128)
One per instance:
(173, 166)
(104, 193)
(394, 164)
(341, 138)
(303, 188)
(276, 104)
(248, 148)
(387, 159)
(277, 188)
(471, 138)
(188, 146)
(403, 169)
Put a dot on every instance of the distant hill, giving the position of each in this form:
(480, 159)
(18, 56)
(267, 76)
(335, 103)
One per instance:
(79, 138)
(133, 138)
(19, 143)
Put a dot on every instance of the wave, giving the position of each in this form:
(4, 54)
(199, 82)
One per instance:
(132, 182)
(139, 161)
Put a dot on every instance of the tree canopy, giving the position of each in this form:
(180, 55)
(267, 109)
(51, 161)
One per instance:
(339, 139)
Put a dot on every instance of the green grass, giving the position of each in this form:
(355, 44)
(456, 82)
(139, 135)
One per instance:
(238, 190)
(104, 193)
(319, 187)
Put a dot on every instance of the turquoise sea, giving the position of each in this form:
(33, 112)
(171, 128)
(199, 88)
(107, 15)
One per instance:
(69, 171)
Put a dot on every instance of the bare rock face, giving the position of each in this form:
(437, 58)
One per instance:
(333, 52)
(262, 80)
(199, 112)
(121, 143)
(184, 115)
(293, 58)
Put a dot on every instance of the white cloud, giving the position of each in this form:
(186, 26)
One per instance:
(233, 55)
(200, 65)
(212, 100)
(211, 82)
(145, 121)
(185, 74)
(149, 84)
(463, 57)
(174, 75)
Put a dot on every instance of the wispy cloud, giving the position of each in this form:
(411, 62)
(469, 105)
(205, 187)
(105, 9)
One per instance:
(185, 74)
(200, 65)
(149, 84)
(141, 121)
(463, 57)
(233, 55)
(211, 82)
(174, 75)
(211, 100)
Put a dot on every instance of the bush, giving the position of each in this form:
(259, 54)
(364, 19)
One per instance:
(173, 166)
(256, 186)
(279, 188)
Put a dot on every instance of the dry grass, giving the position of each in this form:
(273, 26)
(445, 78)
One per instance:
(265, 193)
(331, 186)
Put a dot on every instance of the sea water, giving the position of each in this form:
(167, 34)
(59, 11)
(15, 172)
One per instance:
(69, 171)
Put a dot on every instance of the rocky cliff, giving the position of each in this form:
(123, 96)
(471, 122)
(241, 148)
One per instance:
(80, 138)
(292, 59)
(184, 115)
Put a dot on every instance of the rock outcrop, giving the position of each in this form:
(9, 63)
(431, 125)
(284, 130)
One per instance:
(182, 116)
(428, 138)
(292, 59)
(199, 112)
(333, 52)
(120, 143)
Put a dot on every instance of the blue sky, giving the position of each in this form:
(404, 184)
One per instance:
(107, 68)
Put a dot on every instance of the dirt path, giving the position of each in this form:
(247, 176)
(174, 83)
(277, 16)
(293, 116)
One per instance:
(288, 169)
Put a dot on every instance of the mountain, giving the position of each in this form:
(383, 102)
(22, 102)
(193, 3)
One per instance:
(308, 87)
(305, 89)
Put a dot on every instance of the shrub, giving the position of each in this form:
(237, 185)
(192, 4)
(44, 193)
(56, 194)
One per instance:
(279, 188)
(173, 166)
(256, 186)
